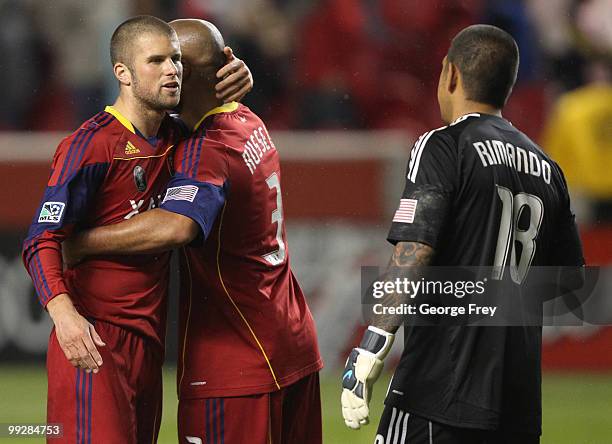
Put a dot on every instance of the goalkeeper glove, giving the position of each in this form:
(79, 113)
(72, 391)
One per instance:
(362, 369)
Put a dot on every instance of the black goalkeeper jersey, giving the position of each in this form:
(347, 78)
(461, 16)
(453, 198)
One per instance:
(481, 193)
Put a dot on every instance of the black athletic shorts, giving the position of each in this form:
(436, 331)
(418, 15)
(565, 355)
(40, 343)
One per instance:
(399, 427)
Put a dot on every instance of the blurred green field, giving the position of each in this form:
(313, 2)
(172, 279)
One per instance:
(577, 407)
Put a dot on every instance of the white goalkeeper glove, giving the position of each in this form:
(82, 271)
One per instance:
(362, 369)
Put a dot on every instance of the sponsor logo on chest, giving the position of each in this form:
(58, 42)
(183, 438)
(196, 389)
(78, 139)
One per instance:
(131, 149)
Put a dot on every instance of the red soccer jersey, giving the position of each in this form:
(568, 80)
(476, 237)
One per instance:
(103, 174)
(245, 325)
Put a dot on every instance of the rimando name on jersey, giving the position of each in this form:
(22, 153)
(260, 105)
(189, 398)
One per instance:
(496, 152)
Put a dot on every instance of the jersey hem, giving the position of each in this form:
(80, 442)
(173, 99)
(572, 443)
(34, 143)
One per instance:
(225, 392)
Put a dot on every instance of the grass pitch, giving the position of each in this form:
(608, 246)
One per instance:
(577, 407)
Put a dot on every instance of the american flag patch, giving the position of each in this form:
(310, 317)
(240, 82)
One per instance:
(186, 192)
(406, 210)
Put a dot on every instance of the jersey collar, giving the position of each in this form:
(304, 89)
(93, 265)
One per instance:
(225, 108)
(465, 116)
(121, 118)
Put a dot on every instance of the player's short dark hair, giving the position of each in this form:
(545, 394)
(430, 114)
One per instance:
(128, 30)
(488, 60)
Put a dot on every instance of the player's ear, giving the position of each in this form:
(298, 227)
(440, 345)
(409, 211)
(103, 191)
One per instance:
(123, 74)
(452, 77)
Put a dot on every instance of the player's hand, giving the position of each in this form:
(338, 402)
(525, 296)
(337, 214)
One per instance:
(236, 77)
(363, 367)
(77, 337)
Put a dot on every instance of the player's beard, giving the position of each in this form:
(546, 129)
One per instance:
(156, 102)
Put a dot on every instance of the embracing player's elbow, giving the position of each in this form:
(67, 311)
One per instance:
(180, 231)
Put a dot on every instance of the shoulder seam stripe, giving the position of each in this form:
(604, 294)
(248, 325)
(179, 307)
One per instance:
(190, 141)
(190, 154)
(75, 142)
(68, 168)
(194, 166)
(419, 151)
(80, 151)
(413, 152)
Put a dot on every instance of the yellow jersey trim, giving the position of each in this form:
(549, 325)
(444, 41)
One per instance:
(225, 108)
(263, 352)
(187, 322)
(121, 118)
(145, 157)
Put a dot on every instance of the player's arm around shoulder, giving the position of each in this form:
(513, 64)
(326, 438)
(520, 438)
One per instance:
(235, 79)
(153, 231)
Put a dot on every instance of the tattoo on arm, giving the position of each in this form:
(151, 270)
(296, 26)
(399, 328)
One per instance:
(406, 263)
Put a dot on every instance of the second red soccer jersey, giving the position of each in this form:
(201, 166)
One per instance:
(245, 324)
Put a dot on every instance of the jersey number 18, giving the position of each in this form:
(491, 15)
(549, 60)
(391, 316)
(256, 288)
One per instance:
(510, 233)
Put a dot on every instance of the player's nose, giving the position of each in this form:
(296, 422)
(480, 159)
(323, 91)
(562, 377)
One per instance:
(172, 68)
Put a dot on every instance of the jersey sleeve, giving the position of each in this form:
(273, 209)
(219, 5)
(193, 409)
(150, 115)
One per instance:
(566, 248)
(431, 183)
(199, 186)
(79, 167)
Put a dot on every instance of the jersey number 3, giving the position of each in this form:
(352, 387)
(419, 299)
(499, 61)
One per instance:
(277, 256)
(510, 233)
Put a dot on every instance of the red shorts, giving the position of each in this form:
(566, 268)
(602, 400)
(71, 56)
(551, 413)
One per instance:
(291, 415)
(120, 404)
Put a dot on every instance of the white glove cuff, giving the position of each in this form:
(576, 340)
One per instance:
(377, 342)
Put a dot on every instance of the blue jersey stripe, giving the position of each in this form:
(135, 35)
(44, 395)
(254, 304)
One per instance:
(207, 421)
(185, 153)
(79, 152)
(222, 420)
(42, 276)
(76, 151)
(83, 405)
(189, 154)
(42, 297)
(214, 416)
(34, 274)
(76, 141)
(194, 166)
(78, 406)
(90, 382)
(106, 120)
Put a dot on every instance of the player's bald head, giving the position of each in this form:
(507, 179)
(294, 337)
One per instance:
(122, 41)
(201, 43)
